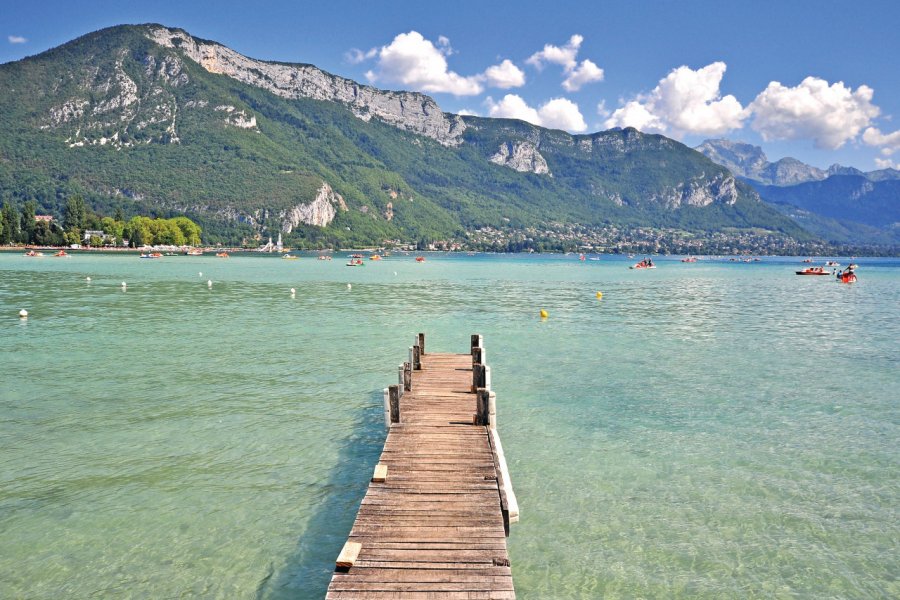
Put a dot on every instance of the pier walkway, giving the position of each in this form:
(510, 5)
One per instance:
(434, 521)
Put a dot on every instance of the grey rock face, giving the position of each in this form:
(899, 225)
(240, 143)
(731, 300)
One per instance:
(522, 157)
(320, 212)
(410, 111)
(700, 191)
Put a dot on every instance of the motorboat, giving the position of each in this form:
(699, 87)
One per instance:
(152, 255)
(420, 259)
(289, 257)
(62, 254)
(34, 254)
(644, 264)
(222, 254)
(356, 262)
(813, 271)
(689, 259)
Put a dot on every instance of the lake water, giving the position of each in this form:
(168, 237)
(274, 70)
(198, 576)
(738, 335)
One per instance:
(707, 430)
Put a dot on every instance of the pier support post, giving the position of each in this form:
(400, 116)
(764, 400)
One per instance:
(478, 355)
(477, 341)
(407, 376)
(416, 357)
(422, 344)
(486, 408)
(394, 399)
(401, 377)
(477, 376)
(387, 409)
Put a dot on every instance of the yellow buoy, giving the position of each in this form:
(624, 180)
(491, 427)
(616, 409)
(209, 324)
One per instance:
(599, 295)
(544, 314)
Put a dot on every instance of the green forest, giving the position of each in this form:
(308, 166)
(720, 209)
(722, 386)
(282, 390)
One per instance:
(82, 226)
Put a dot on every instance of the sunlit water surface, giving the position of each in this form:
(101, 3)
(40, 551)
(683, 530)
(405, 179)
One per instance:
(707, 430)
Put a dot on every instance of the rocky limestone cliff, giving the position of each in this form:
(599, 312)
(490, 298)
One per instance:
(521, 156)
(320, 212)
(700, 191)
(410, 111)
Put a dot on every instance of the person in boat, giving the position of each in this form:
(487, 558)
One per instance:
(649, 262)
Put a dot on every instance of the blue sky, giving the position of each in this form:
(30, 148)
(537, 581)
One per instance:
(818, 80)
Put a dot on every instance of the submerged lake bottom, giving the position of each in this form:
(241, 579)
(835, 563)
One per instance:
(703, 430)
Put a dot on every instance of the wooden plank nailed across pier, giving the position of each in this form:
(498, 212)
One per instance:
(434, 521)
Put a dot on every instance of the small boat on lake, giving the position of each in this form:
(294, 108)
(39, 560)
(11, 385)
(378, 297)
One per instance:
(152, 255)
(193, 252)
(222, 254)
(375, 257)
(689, 259)
(647, 263)
(420, 259)
(847, 275)
(813, 271)
(832, 263)
(289, 257)
(34, 254)
(62, 254)
(356, 262)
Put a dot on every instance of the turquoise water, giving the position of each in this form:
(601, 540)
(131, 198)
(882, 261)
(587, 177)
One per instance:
(705, 430)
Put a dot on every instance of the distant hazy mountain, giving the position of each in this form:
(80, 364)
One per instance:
(840, 204)
(154, 120)
(750, 162)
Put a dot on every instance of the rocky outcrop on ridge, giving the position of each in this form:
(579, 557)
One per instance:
(410, 111)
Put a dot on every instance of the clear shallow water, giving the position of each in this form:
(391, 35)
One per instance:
(704, 431)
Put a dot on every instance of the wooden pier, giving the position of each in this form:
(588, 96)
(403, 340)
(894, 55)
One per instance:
(434, 521)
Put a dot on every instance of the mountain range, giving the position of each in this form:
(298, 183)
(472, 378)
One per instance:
(155, 121)
(840, 204)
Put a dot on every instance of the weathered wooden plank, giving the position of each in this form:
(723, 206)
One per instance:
(351, 584)
(349, 554)
(380, 474)
(471, 595)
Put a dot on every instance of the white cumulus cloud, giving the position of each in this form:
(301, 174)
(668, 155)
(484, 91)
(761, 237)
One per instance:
(886, 163)
(512, 106)
(577, 74)
(558, 113)
(16, 39)
(889, 142)
(562, 113)
(505, 75)
(416, 63)
(830, 115)
(586, 72)
(684, 102)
